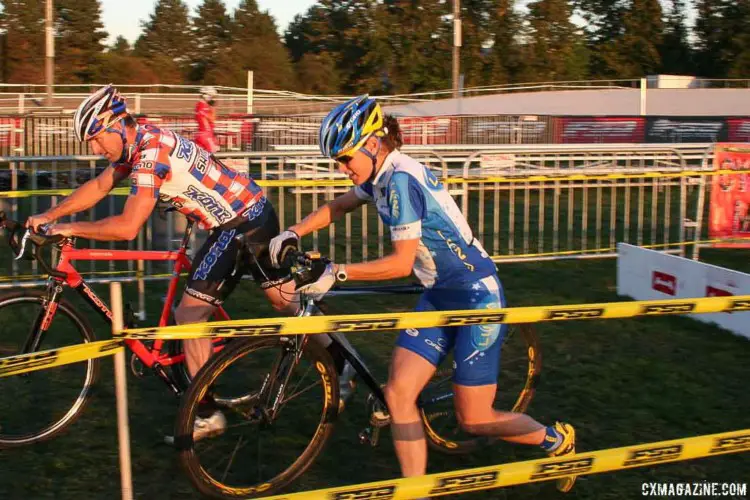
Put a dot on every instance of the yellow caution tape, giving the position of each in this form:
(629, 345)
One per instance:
(500, 258)
(398, 321)
(482, 478)
(56, 357)
(451, 180)
(375, 322)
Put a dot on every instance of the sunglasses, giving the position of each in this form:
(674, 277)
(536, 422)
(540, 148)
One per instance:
(344, 159)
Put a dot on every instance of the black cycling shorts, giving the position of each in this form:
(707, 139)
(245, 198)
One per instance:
(217, 268)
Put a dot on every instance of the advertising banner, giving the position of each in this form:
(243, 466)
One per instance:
(645, 274)
(730, 196)
(685, 129)
(600, 129)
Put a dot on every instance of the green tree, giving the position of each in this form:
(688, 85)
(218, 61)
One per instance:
(416, 54)
(676, 52)
(603, 27)
(212, 34)
(505, 60)
(120, 46)
(256, 46)
(722, 30)
(165, 42)
(23, 24)
(555, 46)
(80, 37)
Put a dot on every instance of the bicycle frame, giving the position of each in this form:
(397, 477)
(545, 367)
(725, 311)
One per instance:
(153, 357)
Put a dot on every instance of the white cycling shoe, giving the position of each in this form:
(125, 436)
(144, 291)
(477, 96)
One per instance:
(203, 428)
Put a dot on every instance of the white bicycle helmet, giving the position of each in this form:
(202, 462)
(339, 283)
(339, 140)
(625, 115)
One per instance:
(208, 93)
(98, 112)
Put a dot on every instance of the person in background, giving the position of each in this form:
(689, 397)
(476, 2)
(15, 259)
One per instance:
(205, 115)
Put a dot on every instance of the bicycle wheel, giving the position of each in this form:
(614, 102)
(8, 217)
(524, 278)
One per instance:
(260, 452)
(39, 405)
(520, 367)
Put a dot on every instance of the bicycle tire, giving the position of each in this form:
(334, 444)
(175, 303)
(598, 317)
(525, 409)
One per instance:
(249, 351)
(13, 386)
(444, 440)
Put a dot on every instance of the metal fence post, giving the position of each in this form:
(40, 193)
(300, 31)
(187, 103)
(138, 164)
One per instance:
(121, 391)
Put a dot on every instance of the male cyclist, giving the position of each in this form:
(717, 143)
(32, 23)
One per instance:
(431, 238)
(205, 115)
(162, 165)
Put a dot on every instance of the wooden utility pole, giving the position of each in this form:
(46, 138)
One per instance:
(49, 63)
(456, 44)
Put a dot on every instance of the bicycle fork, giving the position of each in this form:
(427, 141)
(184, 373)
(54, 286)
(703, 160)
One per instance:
(44, 318)
(290, 358)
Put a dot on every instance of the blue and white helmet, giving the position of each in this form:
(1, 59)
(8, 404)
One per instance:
(349, 125)
(97, 112)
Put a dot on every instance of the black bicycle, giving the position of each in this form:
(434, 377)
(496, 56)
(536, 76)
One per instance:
(280, 396)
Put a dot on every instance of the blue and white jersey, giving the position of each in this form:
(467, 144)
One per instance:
(413, 203)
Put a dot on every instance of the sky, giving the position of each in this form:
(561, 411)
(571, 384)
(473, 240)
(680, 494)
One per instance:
(124, 17)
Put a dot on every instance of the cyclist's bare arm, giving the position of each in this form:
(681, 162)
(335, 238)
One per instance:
(83, 198)
(398, 264)
(328, 213)
(125, 226)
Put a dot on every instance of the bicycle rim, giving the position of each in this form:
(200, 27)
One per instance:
(259, 452)
(41, 404)
(520, 368)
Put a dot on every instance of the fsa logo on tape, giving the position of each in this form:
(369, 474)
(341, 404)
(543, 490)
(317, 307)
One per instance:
(669, 308)
(465, 482)
(737, 443)
(563, 468)
(653, 455)
(20, 365)
(739, 305)
(247, 331)
(143, 334)
(110, 346)
(365, 325)
(472, 319)
(595, 312)
(381, 493)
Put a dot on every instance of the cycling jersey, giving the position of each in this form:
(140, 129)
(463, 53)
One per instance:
(174, 169)
(415, 204)
(205, 115)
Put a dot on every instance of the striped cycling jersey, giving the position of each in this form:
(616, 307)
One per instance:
(416, 205)
(174, 169)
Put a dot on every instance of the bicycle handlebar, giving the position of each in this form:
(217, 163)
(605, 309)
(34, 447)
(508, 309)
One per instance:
(17, 243)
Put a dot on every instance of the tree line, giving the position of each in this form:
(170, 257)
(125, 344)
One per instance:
(384, 46)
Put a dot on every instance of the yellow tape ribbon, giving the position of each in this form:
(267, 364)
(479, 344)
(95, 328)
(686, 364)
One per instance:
(398, 321)
(482, 478)
(42, 360)
(451, 180)
(377, 322)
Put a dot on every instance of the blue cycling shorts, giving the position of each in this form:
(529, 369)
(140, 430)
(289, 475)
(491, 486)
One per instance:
(476, 348)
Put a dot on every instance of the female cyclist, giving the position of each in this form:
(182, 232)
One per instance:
(431, 237)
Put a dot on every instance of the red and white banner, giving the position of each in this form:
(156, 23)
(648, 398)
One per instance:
(645, 274)
(729, 216)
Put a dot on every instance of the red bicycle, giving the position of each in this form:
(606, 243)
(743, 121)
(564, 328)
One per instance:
(39, 405)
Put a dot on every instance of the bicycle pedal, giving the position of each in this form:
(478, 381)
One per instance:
(379, 418)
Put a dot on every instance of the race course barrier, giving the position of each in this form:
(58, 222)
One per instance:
(375, 322)
(497, 476)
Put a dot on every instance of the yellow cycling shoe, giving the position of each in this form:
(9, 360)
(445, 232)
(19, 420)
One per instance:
(567, 447)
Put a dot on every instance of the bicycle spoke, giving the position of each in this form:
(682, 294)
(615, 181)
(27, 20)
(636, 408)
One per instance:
(231, 458)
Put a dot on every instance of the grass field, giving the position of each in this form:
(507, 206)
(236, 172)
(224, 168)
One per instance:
(620, 382)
